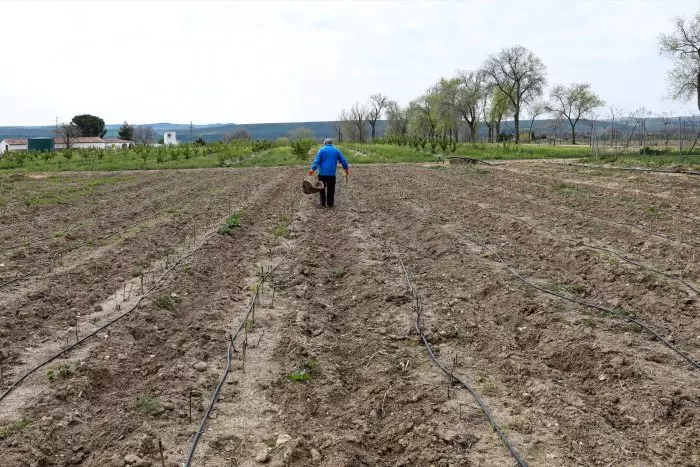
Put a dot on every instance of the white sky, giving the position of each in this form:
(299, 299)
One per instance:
(268, 61)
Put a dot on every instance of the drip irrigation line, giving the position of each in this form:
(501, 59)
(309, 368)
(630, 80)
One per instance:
(227, 368)
(612, 252)
(631, 169)
(608, 311)
(18, 278)
(656, 234)
(106, 325)
(450, 374)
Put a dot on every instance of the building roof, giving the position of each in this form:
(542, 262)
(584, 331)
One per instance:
(81, 139)
(15, 141)
(118, 140)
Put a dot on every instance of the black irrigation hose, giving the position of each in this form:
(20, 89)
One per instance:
(631, 169)
(101, 328)
(106, 325)
(419, 309)
(612, 252)
(227, 369)
(608, 311)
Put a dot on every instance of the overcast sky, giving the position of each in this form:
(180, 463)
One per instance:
(267, 61)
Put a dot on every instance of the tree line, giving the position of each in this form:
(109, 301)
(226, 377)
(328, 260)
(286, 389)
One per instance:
(510, 84)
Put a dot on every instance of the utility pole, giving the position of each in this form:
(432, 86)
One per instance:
(680, 140)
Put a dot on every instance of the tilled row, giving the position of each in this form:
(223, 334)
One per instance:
(558, 380)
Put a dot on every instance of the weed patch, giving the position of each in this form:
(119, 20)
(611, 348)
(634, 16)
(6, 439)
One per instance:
(167, 302)
(280, 231)
(60, 372)
(338, 272)
(304, 371)
(14, 427)
(231, 223)
(149, 405)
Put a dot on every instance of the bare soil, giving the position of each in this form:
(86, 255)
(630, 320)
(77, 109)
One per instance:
(334, 372)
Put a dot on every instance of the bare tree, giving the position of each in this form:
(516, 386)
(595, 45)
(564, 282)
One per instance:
(535, 109)
(614, 112)
(470, 96)
(338, 127)
(377, 103)
(358, 116)
(520, 76)
(573, 102)
(683, 45)
(144, 134)
(67, 132)
(556, 124)
(640, 117)
(397, 119)
(666, 119)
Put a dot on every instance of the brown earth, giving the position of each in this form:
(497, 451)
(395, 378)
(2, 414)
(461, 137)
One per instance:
(334, 372)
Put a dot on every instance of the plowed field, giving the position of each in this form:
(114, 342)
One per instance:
(508, 262)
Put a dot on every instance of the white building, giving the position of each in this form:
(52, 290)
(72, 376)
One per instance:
(118, 143)
(81, 142)
(13, 144)
(169, 138)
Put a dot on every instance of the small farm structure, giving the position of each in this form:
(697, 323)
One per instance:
(13, 144)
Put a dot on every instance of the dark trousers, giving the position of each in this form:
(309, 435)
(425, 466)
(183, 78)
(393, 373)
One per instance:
(328, 192)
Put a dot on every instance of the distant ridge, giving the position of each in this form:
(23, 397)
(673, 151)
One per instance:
(217, 131)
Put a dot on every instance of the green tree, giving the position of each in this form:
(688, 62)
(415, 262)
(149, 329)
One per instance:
(126, 131)
(470, 93)
(519, 75)
(573, 102)
(90, 125)
(397, 119)
(683, 45)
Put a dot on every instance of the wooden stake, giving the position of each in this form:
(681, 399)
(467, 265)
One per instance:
(141, 283)
(76, 331)
(190, 406)
(160, 448)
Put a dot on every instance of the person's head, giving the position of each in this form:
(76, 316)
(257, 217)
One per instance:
(328, 142)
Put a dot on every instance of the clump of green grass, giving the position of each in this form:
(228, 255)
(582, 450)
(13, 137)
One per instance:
(14, 427)
(634, 327)
(136, 270)
(166, 301)
(149, 405)
(338, 272)
(280, 231)
(566, 189)
(231, 223)
(653, 212)
(60, 372)
(304, 371)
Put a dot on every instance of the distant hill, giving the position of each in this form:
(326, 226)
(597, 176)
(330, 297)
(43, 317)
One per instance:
(217, 131)
(210, 132)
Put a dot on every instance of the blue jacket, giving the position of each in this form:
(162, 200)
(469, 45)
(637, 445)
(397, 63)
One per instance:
(327, 160)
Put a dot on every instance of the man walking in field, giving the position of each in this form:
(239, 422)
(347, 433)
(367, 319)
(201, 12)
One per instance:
(326, 162)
